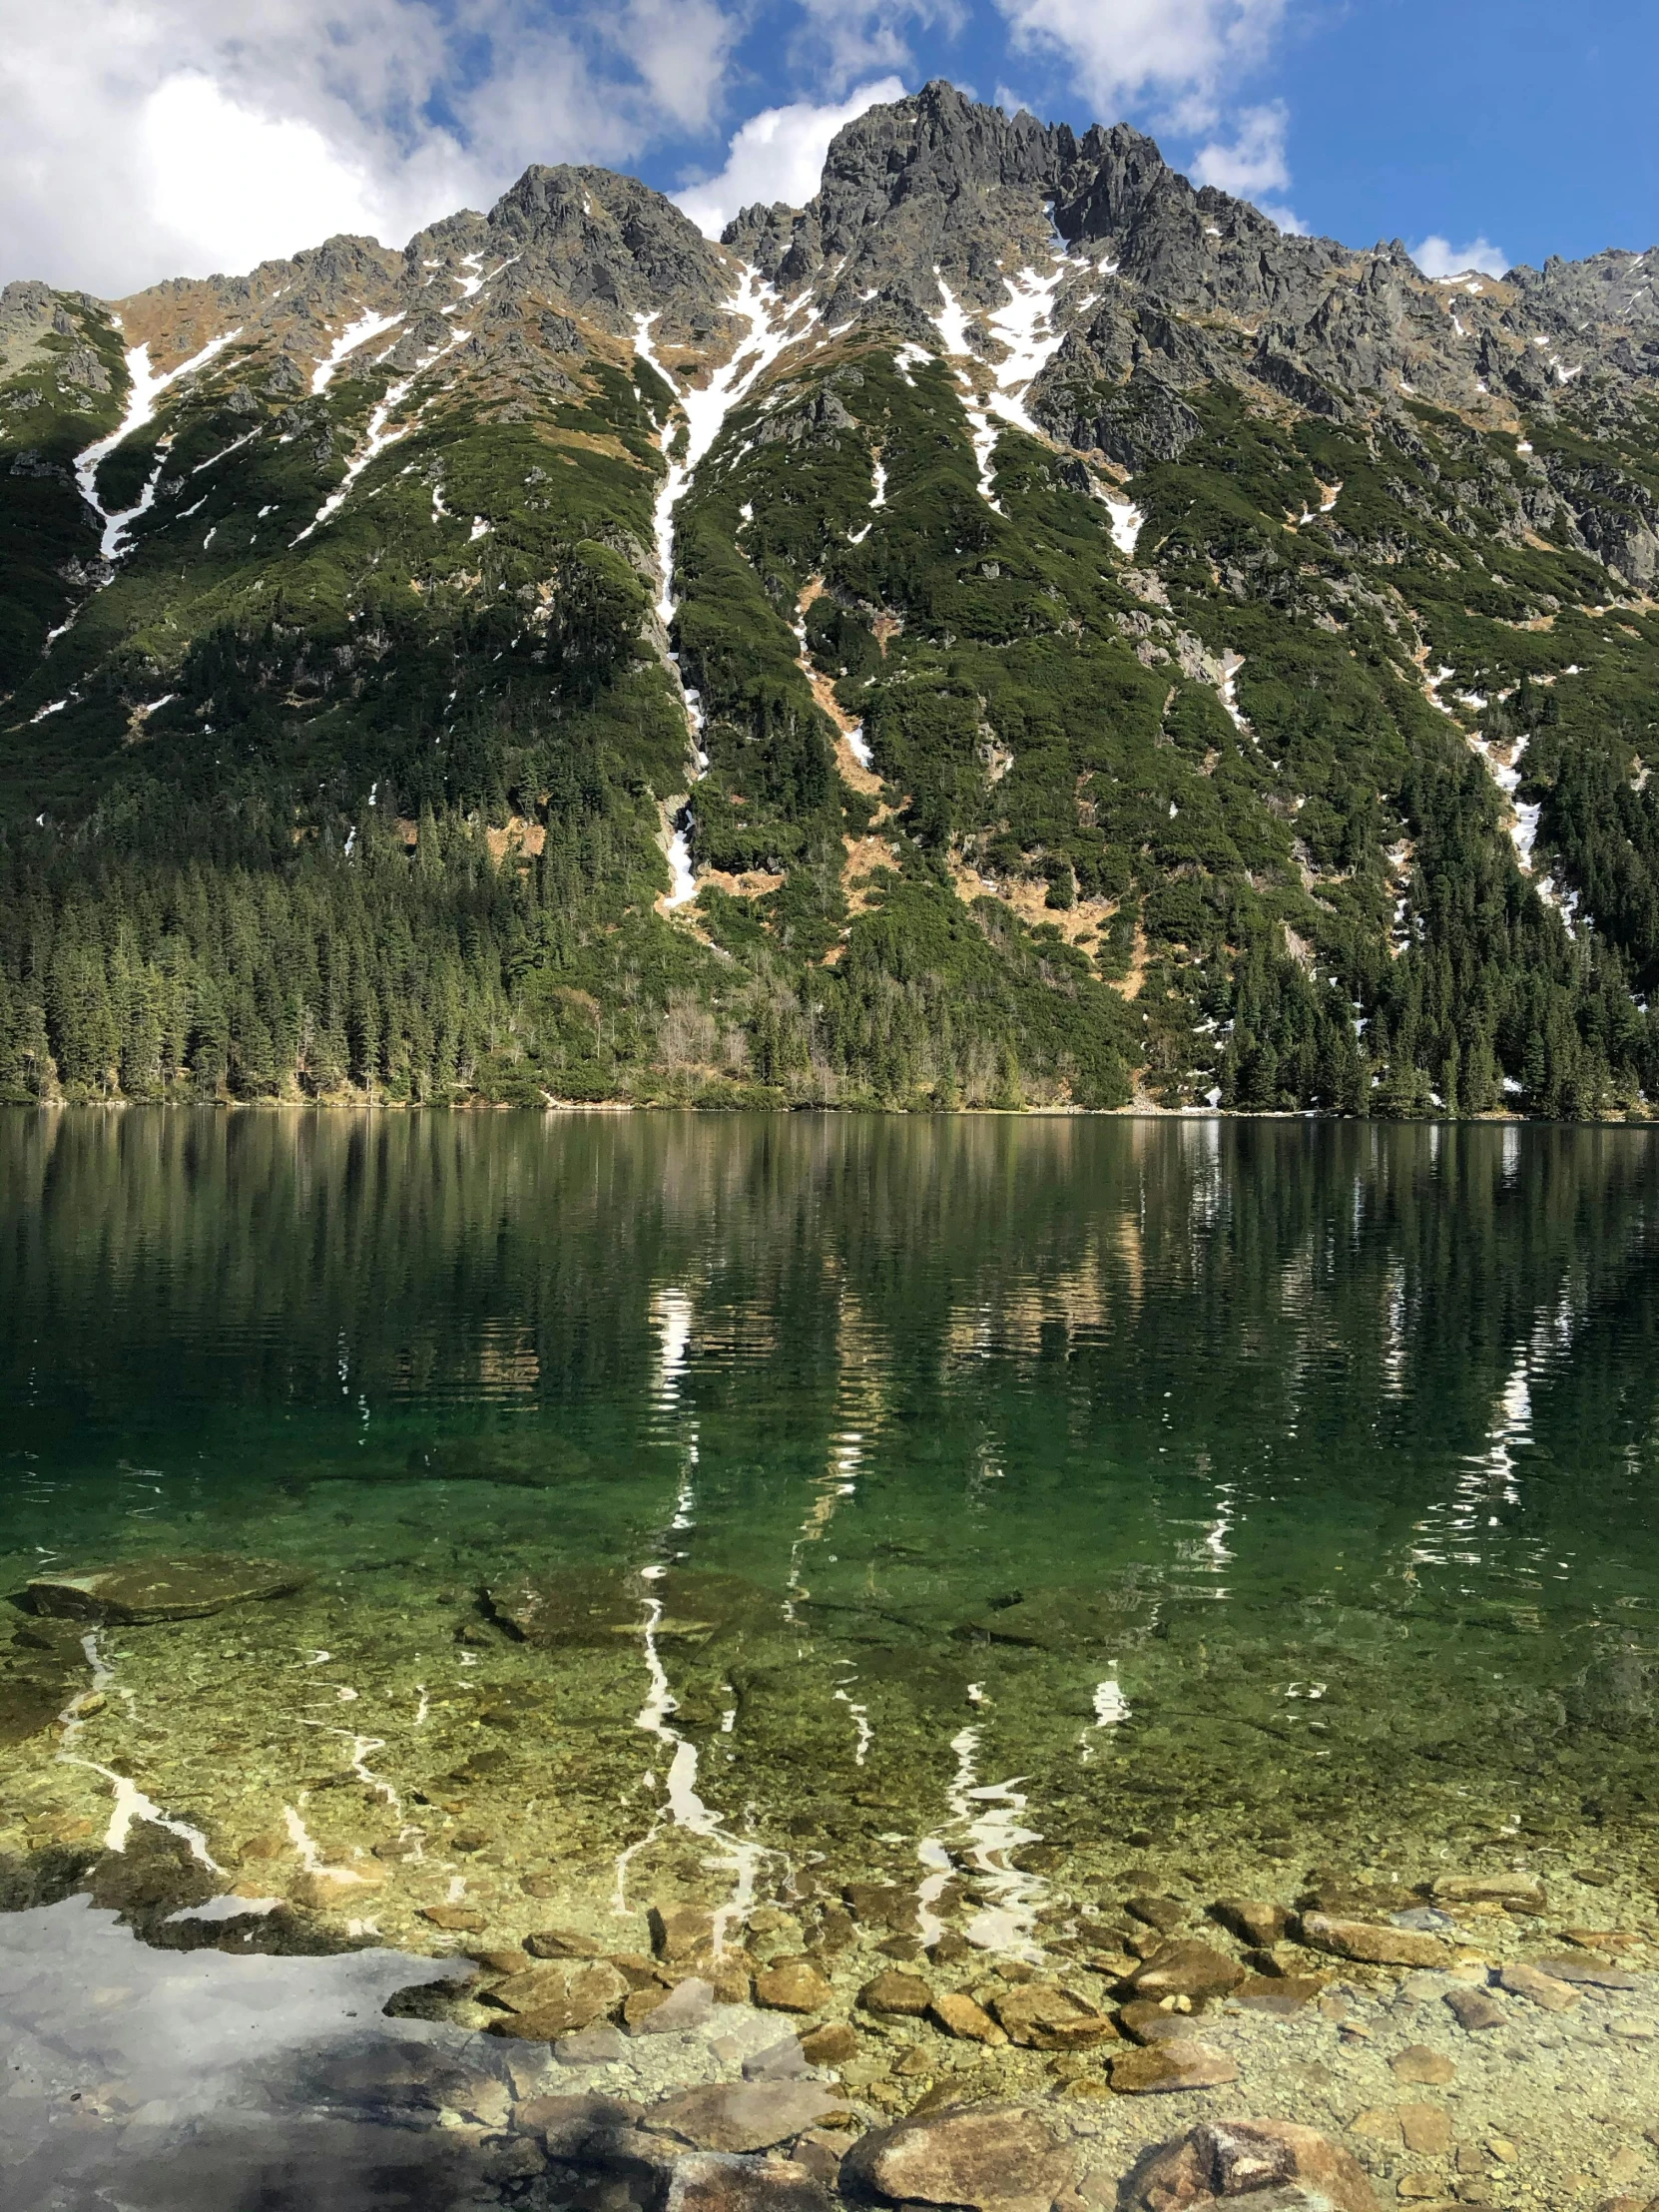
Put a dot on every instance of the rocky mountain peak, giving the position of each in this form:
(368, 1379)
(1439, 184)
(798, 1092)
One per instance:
(612, 247)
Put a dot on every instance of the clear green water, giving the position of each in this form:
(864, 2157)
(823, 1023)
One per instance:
(1265, 1492)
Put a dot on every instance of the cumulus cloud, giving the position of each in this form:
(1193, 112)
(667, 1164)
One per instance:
(778, 154)
(1183, 53)
(152, 138)
(1437, 256)
(1254, 163)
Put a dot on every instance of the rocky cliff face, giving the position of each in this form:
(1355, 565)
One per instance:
(1015, 627)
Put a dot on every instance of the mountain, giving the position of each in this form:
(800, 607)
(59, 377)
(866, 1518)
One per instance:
(1015, 630)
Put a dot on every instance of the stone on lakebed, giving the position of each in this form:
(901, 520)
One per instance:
(144, 1591)
(710, 2181)
(1247, 2161)
(737, 2116)
(1155, 2069)
(984, 2158)
(1373, 1944)
(1187, 1968)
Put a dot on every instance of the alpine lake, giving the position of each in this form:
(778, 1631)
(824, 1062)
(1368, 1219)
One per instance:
(958, 1547)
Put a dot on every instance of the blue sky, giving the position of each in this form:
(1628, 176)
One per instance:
(149, 138)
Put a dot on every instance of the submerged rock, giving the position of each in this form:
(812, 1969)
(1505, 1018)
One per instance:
(830, 2045)
(1153, 2069)
(958, 2014)
(899, 1994)
(1489, 1889)
(1583, 1969)
(1473, 2010)
(1418, 2064)
(1145, 2022)
(1371, 1945)
(792, 1986)
(556, 1996)
(147, 1590)
(709, 2181)
(599, 1605)
(1187, 1969)
(1538, 1988)
(1042, 2018)
(1258, 1920)
(983, 2159)
(1057, 1620)
(1259, 2161)
(745, 2115)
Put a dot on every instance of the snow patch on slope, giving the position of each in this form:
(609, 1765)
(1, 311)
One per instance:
(355, 335)
(141, 402)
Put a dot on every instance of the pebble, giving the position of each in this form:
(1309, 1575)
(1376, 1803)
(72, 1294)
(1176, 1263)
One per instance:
(1538, 1988)
(1426, 2129)
(1159, 2067)
(958, 2014)
(834, 2044)
(1416, 2062)
(1473, 2010)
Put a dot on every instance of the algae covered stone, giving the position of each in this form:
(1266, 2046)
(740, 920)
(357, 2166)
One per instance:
(144, 1591)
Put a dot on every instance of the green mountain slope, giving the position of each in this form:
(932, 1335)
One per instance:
(1015, 631)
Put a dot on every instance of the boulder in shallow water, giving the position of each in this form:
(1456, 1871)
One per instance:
(1061, 1620)
(745, 2115)
(1259, 1921)
(792, 1986)
(709, 2181)
(1371, 1945)
(1249, 2164)
(556, 1996)
(895, 1993)
(1155, 2069)
(1187, 1968)
(984, 2158)
(601, 1605)
(1044, 2017)
(147, 1590)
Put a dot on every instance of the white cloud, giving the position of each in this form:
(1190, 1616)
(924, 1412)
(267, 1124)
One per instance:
(1254, 163)
(777, 155)
(214, 173)
(1437, 256)
(843, 39)
(154, 137)
(1181, 52)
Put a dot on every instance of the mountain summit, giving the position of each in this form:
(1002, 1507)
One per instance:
(1016, 629)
